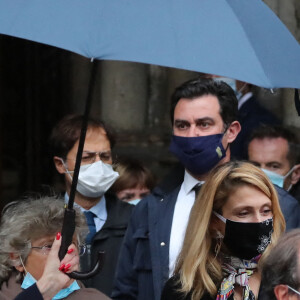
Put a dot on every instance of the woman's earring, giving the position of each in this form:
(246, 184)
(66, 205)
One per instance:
(219, 240)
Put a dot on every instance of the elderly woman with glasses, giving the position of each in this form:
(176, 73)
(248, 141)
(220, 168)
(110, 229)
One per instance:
(29, 264)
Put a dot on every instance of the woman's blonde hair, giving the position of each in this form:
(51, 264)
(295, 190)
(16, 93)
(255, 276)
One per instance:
(198, 269)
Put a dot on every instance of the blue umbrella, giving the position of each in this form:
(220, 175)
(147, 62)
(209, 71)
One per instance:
(240, 39)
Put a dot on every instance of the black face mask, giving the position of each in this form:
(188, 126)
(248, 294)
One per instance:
(247, 240)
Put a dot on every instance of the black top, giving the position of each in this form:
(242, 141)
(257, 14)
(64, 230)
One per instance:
(170, 292)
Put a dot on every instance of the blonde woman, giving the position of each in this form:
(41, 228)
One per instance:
(235, 221)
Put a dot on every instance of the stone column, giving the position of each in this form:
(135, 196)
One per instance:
(122, 99)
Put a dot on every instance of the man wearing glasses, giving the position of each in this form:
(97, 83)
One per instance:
(107, 217)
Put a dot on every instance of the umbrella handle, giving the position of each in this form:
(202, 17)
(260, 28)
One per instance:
(67, 233)
(86, 275)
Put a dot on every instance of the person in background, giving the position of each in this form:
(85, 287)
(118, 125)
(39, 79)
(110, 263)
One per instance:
(107, 216)
(29, 257)
(276, 150)
(234, 222)
(281, 269)
(135, 181)
(251, 114)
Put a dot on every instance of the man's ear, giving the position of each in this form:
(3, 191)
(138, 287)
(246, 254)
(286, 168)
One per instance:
(17, 266)
(295, 174)
(281, 292)
(59, 165)
(232, 131)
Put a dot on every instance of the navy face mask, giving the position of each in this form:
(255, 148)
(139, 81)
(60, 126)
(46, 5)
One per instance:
(198, 154)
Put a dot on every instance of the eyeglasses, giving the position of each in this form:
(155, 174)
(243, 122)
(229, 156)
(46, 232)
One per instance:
(89, 157)
(46, 249)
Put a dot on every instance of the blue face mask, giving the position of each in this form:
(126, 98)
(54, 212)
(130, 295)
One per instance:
(198, 154)
(134, 202)
(29, 280)
(277, 178)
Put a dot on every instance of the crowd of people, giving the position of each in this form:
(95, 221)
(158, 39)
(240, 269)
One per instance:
(215, 232)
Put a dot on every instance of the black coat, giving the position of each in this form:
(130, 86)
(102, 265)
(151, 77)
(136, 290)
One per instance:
(109, 240)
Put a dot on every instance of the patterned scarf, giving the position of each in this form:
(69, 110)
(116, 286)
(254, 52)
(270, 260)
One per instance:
(237, 271)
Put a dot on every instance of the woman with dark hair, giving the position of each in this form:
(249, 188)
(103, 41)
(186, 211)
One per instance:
(234, 222)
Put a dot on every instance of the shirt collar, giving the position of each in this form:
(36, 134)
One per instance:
(99, 209)
(189, 182)
(245, 98)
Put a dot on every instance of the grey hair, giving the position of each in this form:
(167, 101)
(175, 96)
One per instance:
(282, 264)
(27, 220)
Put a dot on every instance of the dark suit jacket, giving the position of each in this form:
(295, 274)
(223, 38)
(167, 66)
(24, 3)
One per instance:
(290, 208)
(143, 266)
(108, 240)
(251, 115)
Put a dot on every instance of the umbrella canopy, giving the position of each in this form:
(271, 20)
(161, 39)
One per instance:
(240, 39)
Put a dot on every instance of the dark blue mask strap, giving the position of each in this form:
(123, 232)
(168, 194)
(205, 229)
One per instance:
(297, 101)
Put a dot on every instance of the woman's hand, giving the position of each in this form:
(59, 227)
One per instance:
(54, 278)
(70, 262)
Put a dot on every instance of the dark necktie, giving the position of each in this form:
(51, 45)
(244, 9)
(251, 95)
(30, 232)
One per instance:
(92, 227)
(197, 188)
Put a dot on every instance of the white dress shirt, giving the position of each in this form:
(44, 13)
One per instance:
(99, 210)
(183, 206)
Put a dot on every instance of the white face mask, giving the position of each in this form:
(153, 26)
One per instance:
(95, 179)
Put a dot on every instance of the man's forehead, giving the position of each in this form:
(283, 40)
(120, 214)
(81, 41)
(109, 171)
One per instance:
(268, 150)
(96, 140)
(95, 131)
(278, 143)
(202, 106)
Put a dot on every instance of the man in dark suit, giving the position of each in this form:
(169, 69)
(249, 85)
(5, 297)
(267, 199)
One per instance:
(107, 217)
(251, 114)
(204, 118)
(203, 113)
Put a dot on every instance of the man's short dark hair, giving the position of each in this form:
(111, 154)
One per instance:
(282, 265)
(203, 86)
(65, 134)
(278, 131)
